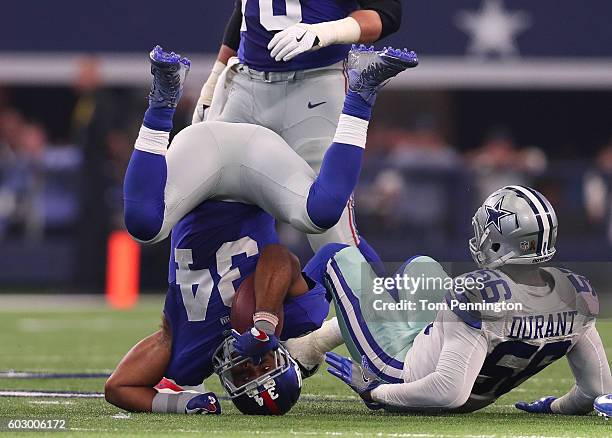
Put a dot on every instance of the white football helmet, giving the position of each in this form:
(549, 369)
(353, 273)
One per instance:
(515, 225)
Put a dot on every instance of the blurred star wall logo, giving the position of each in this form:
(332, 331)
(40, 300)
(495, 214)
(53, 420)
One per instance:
(493, 29)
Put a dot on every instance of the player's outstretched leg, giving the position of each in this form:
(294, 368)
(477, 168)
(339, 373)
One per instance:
(368, 71)
(145, 179)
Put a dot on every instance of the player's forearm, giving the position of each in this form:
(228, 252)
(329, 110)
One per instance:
(231, 37)
(276, 276)
(228, 49)
(208, 89)
(362, 26)
(225, 53)
(370, 25)
(378, 18)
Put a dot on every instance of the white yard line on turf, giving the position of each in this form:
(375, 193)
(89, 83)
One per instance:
(50, 402)
(68, 394)
(43, 394)
(330, 433)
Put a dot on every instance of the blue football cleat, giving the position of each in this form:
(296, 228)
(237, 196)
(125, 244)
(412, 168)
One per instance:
(540, 406)
(603, 406)
(369, 69)
(204, 404)
(169, 71)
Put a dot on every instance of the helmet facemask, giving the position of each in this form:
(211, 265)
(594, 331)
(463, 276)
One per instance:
(247, 396)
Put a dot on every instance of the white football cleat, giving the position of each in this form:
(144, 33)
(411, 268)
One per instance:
(603, 406)
(305, 355)
(309, 350)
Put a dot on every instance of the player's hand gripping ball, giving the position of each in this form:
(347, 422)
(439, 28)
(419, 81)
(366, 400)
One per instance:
(243, 308)
(254, 343)
(248, 340)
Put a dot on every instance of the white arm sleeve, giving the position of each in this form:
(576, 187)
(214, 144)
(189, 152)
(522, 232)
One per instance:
(591, 370)
(449, 386)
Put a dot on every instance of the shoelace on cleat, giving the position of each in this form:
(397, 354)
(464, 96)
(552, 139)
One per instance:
(169, 84)
(372, 71)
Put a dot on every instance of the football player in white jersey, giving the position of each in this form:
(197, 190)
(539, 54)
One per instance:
(495, 328)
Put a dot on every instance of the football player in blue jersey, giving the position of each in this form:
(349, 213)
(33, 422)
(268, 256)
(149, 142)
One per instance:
(288, 76)
(163, 373)
(212, 196)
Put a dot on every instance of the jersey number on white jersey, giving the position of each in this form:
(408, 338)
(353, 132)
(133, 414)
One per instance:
(498, 377)
(197, 285)
(270, 21)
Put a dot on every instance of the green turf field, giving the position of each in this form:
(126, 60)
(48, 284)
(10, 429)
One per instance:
(86, 337)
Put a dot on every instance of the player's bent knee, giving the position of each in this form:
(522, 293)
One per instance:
(143, 220)
(325, 214)
(324, 208)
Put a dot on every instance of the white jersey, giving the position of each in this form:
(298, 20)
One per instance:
(494, 337)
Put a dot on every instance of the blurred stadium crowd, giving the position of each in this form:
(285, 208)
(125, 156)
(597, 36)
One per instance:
(418, 190)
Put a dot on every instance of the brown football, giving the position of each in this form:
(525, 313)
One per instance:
(243, 307)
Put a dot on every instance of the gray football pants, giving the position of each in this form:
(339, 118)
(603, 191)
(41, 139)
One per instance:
(231, 162)
(303, 107)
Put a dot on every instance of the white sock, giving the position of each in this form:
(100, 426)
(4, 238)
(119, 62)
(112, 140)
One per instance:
(310, 349)
(155, 142)
(328, 336)
(351, 130)
(172, 403)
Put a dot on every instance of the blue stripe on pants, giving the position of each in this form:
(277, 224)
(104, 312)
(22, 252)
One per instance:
(361, 336)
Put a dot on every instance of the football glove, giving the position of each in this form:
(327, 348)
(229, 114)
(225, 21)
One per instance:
(541, 406)
(359, 378)
(301, 37)
(254, 343)
(204, 404)
(293, 41)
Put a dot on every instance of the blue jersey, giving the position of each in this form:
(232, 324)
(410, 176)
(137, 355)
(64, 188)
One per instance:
(214, 248)
(261, 19)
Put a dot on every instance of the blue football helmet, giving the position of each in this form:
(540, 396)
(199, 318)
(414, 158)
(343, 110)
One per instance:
(273, 392)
